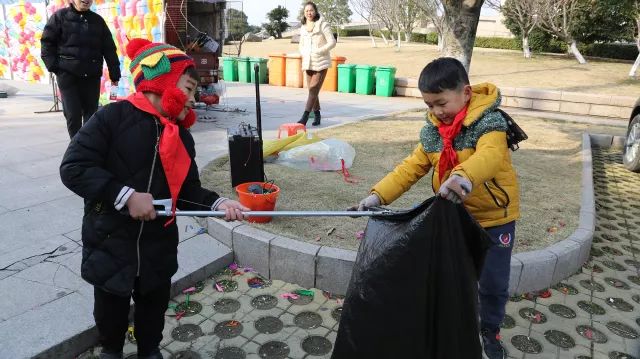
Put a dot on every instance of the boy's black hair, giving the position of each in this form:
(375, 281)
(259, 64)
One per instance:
(193, 73)
(445, 73)
(315, 7)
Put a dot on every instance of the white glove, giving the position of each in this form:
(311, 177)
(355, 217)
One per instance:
(456, 189)
(371, 201)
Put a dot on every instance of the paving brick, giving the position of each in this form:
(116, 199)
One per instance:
(537, 270)
(618, 142)
(518, 102)
(333, 269)
(583, 238)
(222, 230)
(408, 92)
(573, 107)
(586, 98)
(25, 336)
(514, 274)
(600, 140)
(607, 111)
(568, 253)
(624, 101)
(507, 91)
(251, 248)
(293, 261)
(538, 94)
(546, 105)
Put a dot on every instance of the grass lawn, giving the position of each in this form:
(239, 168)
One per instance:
(548, 164)
(502, 67)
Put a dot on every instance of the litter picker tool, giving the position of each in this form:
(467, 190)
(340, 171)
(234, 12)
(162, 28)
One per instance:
(166, 211)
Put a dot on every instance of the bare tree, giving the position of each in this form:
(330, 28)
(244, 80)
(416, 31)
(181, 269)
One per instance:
(634, 68)
(460, 25)
(433, 11)
(558, 17)
(384, 11)
(407, 14)
(524, 13)
(364, 8)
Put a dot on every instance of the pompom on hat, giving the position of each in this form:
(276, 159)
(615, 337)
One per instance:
(156, 66)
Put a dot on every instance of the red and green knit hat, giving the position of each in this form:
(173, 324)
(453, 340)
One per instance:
(156, 67)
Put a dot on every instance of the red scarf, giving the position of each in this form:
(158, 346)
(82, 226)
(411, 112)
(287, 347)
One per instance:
(173, 155)
(448, 157)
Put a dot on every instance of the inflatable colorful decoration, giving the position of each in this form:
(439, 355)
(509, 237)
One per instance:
(21, 31)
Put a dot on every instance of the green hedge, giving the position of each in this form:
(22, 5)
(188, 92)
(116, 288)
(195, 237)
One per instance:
(430, 38)
(353, 32)
(538, 42)
(498, 43)
(610, 51)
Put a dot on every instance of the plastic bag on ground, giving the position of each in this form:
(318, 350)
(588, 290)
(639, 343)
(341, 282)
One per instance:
(413, 290)
(327, 155)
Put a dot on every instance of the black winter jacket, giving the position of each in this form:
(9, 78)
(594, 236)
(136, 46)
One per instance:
(113, 149)
(76, 42)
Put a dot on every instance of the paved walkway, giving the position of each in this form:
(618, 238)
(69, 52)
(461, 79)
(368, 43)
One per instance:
(44, 300)
(593, 314)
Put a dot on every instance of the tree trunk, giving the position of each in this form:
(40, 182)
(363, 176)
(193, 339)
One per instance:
(398, 41)
(634, 68)
(440, 42)
(384, 38)
(373, 40)
(459, 33)
(525, 47)
(573, 48)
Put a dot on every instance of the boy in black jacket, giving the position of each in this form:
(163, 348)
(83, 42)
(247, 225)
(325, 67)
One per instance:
(74, 41)
(129, 153)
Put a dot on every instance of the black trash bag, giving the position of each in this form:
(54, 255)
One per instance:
(413, 290)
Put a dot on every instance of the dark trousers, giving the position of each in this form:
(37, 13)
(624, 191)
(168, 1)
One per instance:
(314, 82)
(494, 280)
(79, 99)
(111, 313)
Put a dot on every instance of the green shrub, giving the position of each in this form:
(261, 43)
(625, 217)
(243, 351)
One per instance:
(429, 38)
(354, 32)
(498, 43)
(610, 51)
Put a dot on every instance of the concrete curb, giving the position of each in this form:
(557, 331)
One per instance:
(546, 100)
(329, 268)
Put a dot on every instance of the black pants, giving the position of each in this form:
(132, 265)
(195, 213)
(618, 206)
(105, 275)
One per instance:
(79, 99)
(111, 313)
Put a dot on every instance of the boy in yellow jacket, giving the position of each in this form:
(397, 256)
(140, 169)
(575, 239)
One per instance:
(465, 142)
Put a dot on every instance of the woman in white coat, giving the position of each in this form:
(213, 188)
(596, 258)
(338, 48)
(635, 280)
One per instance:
(316, 40)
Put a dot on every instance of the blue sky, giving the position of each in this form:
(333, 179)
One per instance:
(257, 10)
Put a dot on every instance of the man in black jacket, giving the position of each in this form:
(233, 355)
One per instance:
(127, 154)
(74, 42)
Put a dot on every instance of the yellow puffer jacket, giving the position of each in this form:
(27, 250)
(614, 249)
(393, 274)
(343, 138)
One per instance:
(484, 160)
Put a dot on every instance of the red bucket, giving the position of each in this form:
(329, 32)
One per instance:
(258, 202)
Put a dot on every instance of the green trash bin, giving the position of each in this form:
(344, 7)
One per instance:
(385, 81)
(347, 78)
(365, 79)
(262, 72)
(244, 70)
(230, 68)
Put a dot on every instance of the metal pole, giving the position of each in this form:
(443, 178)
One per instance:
(165, 213)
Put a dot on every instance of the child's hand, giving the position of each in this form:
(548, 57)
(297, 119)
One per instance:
(140, 206)
(455, 189)
(233, 210)
(371, 201)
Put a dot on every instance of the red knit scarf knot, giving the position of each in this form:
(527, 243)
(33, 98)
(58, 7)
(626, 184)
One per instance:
(448, 157)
